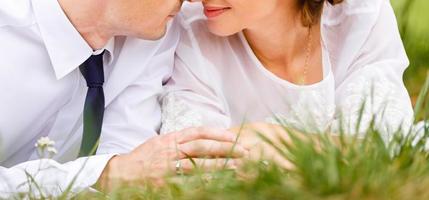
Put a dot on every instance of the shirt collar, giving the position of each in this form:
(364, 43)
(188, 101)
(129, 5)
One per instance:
(110, 47)
(66, 47)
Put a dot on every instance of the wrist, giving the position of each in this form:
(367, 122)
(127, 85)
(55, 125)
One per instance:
(111, 175)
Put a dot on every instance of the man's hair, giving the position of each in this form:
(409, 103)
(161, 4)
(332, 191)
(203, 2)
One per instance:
(312, 10)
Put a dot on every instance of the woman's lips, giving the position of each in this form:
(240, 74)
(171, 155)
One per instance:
(212, 12)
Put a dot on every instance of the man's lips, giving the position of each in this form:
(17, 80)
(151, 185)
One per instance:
(172, 15)
(174, 12)
(212, 12)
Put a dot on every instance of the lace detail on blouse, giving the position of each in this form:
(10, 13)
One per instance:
(380, 101)
(177, 115)
(310, 112)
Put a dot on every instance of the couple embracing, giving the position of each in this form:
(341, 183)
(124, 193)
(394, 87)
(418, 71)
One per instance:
(130, 89)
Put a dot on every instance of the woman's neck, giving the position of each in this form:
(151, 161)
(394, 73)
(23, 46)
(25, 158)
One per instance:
(271, 38)
(280, 42)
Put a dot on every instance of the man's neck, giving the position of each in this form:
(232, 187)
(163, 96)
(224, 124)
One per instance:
(88, 17)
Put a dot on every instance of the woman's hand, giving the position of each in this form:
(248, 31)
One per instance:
(250, 137)
(260, 150)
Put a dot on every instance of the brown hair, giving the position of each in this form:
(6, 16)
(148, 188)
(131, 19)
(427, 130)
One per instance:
(312, 10)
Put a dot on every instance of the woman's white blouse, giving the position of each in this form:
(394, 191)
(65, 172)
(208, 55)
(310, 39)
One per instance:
(218, 81)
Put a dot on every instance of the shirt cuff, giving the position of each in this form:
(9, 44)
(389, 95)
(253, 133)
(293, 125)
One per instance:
(90, 171)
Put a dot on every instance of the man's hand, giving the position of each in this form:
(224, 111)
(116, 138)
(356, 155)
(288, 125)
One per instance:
(211, 149)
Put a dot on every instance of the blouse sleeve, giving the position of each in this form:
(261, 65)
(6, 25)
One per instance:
(192, 97)
(189, 102)
(372, 87)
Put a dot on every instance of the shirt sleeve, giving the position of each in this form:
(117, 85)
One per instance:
(48, 178)
(134, 115)
(373, 88)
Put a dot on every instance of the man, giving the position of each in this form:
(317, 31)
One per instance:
(73, 69)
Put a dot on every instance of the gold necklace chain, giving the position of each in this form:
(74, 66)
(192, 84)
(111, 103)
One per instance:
(307, 57)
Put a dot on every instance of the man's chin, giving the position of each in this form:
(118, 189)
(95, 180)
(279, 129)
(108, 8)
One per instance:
(156, 34)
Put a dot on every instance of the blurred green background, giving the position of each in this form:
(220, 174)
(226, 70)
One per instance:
(413, 20)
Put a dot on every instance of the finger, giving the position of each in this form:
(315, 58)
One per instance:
(191, 134)
(211, 149)
(206, 165)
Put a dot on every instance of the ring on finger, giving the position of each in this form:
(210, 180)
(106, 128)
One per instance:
(178, 167)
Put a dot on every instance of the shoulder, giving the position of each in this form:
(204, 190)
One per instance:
(361, 32)
(350, 11)
(350, 19)
(16, 13)
(356, 19)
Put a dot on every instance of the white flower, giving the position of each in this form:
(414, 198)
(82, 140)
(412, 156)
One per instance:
(44, 142)
(45, 147)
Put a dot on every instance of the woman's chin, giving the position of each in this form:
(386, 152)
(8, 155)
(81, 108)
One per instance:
(220, 31)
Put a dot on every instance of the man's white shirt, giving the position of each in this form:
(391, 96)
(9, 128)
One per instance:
(43, 94)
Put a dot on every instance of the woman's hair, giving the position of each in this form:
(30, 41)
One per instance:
(312, 10)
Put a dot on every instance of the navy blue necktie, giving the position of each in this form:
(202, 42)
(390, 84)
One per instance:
(92, 70)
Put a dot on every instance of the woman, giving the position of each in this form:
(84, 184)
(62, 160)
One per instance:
(307, 63)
